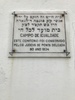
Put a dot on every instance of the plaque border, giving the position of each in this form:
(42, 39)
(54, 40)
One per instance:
(67, 54)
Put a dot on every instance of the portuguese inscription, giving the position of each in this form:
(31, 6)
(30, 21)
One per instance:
(38, 32)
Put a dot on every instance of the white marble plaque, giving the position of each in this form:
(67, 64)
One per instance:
(39, 34)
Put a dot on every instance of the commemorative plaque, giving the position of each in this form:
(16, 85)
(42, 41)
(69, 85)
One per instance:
(39, 34)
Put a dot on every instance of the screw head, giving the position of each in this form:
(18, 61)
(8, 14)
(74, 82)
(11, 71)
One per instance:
(13, 50)
(15, 15)
(62, 15)
(64, 50)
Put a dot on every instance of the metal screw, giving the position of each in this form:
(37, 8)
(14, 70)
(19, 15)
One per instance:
(64, 50)
(15, 15)
(62, 15)
(13, 51)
